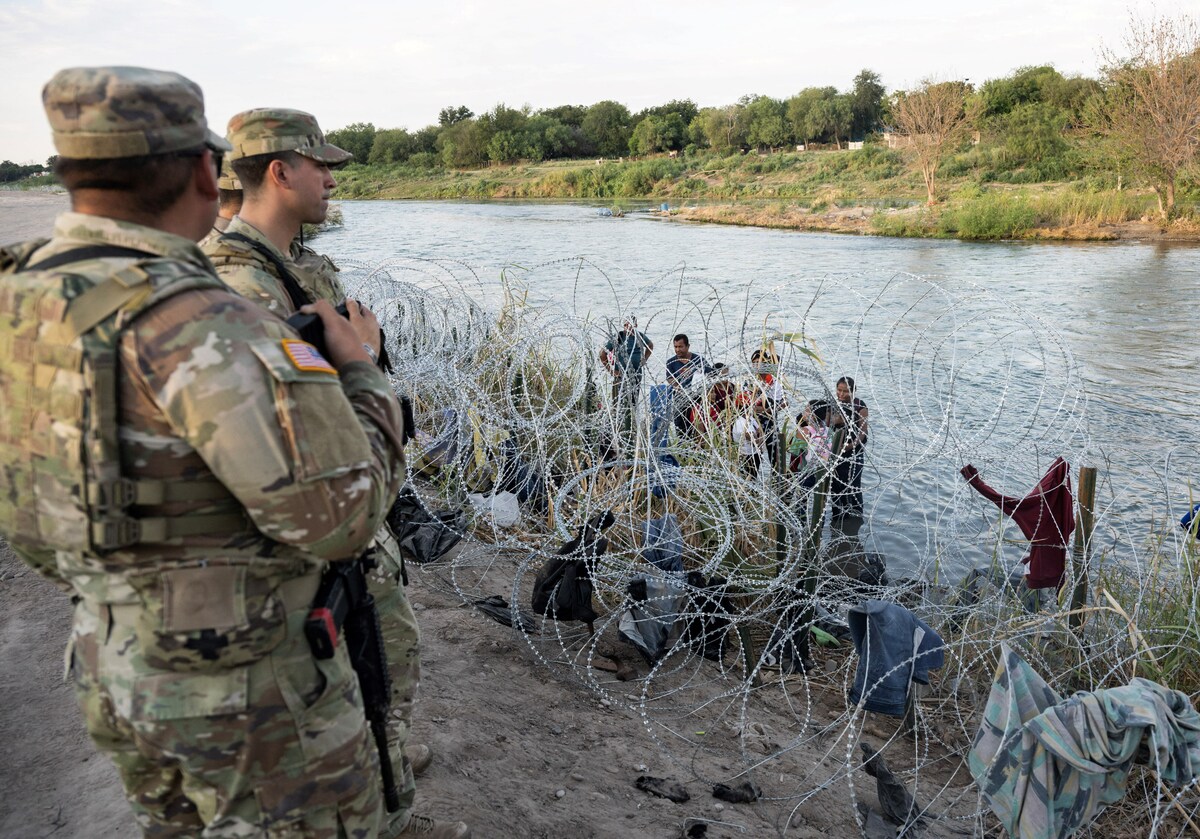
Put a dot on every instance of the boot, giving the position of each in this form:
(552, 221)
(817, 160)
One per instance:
(419, 757)
(427, 828)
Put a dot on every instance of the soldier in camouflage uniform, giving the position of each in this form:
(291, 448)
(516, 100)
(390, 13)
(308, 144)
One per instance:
(283, 161)
(185, 467)
(229, 201)
(259, 255)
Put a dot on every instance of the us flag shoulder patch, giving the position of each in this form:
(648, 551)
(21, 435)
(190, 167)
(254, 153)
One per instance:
(306, 357)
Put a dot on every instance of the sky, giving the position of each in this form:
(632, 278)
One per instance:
(396, 64)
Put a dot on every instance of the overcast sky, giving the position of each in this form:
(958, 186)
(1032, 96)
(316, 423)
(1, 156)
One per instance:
(396, 64)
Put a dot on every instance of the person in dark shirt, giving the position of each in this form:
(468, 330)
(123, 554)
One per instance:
(850, 414)
(624, 356)
(681, 369)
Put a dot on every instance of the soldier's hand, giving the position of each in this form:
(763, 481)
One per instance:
(365, 325)
(341, 340)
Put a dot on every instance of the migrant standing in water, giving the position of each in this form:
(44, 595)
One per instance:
(624, 355)
(808, 447)
(748, 434)
(681, 370)
(768, 399)
(851, 416)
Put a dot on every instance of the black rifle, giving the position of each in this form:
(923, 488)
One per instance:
(345, 609)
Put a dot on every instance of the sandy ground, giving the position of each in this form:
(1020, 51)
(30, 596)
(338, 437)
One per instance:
(523, 749)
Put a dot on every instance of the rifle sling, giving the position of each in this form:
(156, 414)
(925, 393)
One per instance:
(298, 295)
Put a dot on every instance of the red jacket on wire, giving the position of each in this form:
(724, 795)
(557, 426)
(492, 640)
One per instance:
(1046, 516)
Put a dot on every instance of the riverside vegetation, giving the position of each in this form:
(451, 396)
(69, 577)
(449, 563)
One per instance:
(871, 190)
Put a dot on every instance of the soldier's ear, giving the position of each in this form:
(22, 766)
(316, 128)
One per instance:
(279, 172)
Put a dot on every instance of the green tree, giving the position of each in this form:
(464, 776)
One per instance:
(451, 114)
(464, 145)
(425, 140)
(392, 145)
(658, 133)
(726, 128)
(571, 115)
(504, 118)
(830, 118)
(765, 126)
(798, 110)
(607, 127)
(1033, 132)
(356, 138)
(867, 104)
(10, 171)
(685, 108)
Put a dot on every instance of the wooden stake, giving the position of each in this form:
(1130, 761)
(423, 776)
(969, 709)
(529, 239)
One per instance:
(1085, 494)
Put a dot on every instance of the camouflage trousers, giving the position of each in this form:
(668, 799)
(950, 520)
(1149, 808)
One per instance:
(401, 638)
(275, 748)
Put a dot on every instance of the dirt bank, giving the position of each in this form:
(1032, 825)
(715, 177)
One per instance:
(859, 220)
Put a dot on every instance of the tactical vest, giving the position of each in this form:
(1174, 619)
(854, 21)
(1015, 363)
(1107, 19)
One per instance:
(239, 249)
(61, 488)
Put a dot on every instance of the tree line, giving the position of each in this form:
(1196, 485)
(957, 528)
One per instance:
(462, 139)
(10, 171)
(1138, 122)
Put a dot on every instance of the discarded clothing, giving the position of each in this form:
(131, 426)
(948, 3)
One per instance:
(562, 589)
(1046, 517)
(894, 648)
(519, 478)
(1047, 766)
(898, 804)
(711, 607)
(747, 792)
(1189, 520)
(647, 622)
(787, 648)
(664, 474)
(438, 451)
(424, 536)
(663, 788)
(662, 543)
(499, 610)
(502, 507)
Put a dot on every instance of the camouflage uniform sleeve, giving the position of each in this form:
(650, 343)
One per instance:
(315, 459)
(258, 286)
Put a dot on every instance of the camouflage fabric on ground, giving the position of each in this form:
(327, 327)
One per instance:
(1048, 766)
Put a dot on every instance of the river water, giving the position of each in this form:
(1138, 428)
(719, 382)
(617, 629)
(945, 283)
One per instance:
(1001, 354)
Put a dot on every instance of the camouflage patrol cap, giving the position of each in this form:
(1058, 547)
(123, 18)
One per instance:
(228, 178)
(267, 130)
(110, 112)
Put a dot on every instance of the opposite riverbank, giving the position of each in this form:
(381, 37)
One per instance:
(871, 191)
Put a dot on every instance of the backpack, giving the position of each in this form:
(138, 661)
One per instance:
(562, 589)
